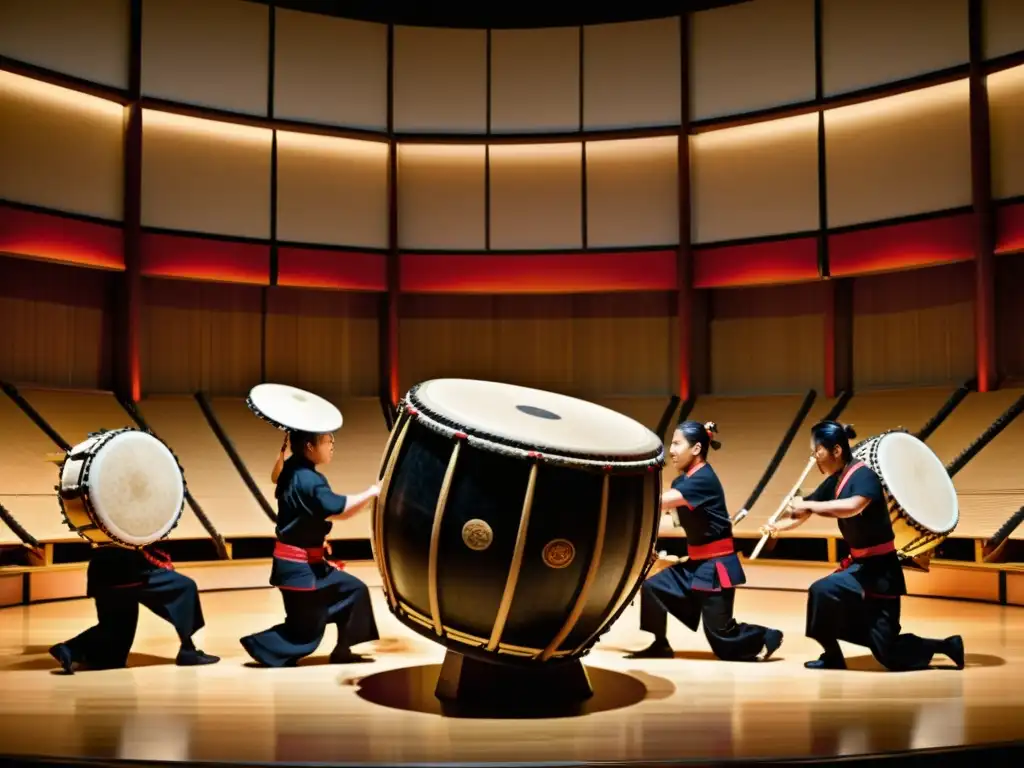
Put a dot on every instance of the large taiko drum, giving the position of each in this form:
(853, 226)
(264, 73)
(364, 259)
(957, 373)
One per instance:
(922, 501)
(122, 487)
(514, 525)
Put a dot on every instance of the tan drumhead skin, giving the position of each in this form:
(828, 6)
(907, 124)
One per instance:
(545, 421)
(918, 480)
(295, 409)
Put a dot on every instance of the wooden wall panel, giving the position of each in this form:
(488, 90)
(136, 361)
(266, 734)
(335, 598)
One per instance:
(1006, 115)
(1003, 32)
(330, 70)
(776, 67)
(914, 328)
(200, 336)
(535, 80)
(60, 149)
(870, 42)
(755, 180)
(767, 340)
(323, 341)
(57, 325)
(899, 156)
(589, 345)
(83, 39)
(205, 175)
(331, 190)
(633, 192)
(440, 80)
(536, 196)
(631, 74)
(213, 53)
(442, 196)
(1010, 315)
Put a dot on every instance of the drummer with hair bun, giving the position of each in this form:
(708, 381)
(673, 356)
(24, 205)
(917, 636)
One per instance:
(703, 587)
(315, 591)
(859, 602)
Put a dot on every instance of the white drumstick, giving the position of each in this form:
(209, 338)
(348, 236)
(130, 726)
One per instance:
(782, 507)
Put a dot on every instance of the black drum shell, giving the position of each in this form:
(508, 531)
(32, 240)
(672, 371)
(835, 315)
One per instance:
(490, 486)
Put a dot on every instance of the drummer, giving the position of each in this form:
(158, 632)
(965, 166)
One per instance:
(315, 591)
(120, 580)
(703, 587)
(859, 602)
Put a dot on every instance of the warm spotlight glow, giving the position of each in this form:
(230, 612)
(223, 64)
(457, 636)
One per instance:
(914, 105)
(1006, 83)
(53, 96)
(197, 126)
(313, 143)
(52, 237)
(442, 155)
(737, 137)
(627, 150)
(537, 154)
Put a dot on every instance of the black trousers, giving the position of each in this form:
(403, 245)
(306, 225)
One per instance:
(340, 599)
(670, 592)
(838, 609)
(170, 595)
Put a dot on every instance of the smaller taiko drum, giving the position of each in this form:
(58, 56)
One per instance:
(922, 501)
(514, 525)
(122, 487)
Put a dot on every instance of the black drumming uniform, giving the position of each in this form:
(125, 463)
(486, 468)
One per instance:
(704, 586)
(860, 602)
(315, 591)
(120, 580)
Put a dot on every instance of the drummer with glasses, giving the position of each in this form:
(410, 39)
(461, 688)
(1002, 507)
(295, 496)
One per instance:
(315, 591)
(703, 587)
(860, 602)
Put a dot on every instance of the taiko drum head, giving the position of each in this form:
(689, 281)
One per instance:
(135, 486)
(532, 419)
(918, 481)
(293, 409)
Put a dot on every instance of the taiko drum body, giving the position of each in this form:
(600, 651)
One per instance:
(514, 525)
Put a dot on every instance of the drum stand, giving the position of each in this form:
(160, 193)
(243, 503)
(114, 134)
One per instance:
(471, 683)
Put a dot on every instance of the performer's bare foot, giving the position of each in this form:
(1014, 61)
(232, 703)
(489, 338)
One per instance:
(194, 658)
(344, 655)
(63, 656)
(659, 649)
(954, 648)
(772, 642)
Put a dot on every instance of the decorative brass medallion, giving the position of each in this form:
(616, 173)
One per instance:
(477, 535)
(558, 553)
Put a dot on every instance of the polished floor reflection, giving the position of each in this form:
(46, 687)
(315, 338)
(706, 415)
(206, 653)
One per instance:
(689, 707)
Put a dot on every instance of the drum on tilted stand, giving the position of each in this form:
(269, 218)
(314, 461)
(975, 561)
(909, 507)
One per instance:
(922, 500)
(122, 487)
(513, 526)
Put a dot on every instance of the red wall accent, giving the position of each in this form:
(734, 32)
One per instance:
(199, 258)
(539, 273)
(776, 261)
(53, 237)
(1010, 228)
(322, 268)
(902, 246)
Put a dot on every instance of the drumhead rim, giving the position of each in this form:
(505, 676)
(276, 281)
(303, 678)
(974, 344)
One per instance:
(105, 436)
(282, 426)
(500, 444)
(866, 445)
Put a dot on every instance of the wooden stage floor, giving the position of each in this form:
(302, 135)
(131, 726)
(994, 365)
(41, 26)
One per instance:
(691, 707)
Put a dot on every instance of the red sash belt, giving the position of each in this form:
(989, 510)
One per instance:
(158, 557)
(719, 548)
(294, 554)
(860, 554)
